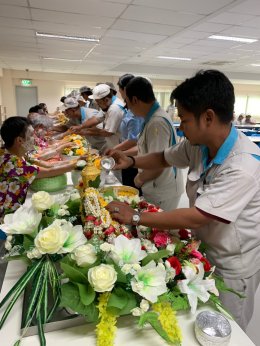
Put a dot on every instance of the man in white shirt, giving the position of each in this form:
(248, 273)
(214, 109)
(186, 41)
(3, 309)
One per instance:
(223, 186)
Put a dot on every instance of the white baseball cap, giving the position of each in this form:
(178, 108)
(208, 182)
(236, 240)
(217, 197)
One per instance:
(70, 102)
(100, 91)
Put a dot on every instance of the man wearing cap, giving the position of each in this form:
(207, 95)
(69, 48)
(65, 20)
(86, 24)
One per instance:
(113, 109)
(85, 92)
(82, 118)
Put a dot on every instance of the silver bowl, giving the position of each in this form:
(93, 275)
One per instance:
(212, 329)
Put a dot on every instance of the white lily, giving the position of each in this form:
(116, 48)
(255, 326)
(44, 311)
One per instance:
(150, 281)
(24, 220)
(75, 237)
(127, 251)
(195, 286)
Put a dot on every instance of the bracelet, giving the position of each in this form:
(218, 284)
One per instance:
(133, 159)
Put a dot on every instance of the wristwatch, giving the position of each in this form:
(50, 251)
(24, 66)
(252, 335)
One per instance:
(136, 218)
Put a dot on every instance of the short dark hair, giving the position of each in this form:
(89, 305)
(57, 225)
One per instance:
(141, 88)
(124, 80)
(12, 128)
(35, 109)
(208, 89)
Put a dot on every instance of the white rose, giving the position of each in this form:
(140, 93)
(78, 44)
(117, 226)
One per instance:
(106, 247)
(102, 277)
(51, 239)
(84, 255)
(42, 200)
(63, 212)
(136, 312)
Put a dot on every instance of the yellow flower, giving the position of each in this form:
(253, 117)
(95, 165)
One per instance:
(97, 163)
(106, 328)
(78, 142)
(102, 202)
(80, 151)
(168, 320)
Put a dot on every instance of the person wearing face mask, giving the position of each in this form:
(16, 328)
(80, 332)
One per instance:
(16, 173)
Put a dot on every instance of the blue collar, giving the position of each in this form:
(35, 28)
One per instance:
(113, 98)
(149, 115)
(223, 151)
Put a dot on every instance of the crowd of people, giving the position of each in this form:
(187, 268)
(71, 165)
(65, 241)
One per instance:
(223, 165)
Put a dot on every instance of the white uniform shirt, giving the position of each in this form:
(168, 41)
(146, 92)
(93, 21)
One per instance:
(113, 118)
(229, 190)
(157, 136)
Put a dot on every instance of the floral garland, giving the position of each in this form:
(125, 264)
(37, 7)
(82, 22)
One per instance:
(107, 269)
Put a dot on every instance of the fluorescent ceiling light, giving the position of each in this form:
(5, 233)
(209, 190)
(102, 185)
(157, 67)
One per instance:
(257, 65)
(62, 59)
(173, 58)
(67, 37)
(230, 38)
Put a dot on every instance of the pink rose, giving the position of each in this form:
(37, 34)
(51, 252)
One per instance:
(161, 239)
(196, 254)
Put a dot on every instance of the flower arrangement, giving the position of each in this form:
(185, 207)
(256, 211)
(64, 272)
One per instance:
(106, 269)
(79, 145)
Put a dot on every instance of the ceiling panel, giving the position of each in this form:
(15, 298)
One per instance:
(198, 6)
(89, 7)
(14, 12)
(133, 33)
(154, 15)
(148, 28)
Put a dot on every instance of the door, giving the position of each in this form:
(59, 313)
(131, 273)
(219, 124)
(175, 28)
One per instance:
(26, 97)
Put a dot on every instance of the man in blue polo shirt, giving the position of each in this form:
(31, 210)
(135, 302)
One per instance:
(223, 186)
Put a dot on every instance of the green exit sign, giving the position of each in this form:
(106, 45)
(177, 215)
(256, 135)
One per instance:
(26, 82)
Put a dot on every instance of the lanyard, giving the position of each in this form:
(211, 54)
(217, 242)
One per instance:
(149, 115)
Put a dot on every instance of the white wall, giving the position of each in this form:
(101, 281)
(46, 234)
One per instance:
(51, 86)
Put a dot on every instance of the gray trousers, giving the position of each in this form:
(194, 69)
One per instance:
(241, 308)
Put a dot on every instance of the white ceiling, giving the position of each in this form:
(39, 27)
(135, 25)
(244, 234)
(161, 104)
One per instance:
(132, 34)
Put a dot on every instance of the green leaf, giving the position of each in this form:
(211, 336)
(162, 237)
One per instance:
(178, 247)
(70, 298)
(217, 304)
(45, 222)
(109, 191)
(86, 293)
(73, 273)
(121, 302)
(152, 318)
(28, 242)
(221, 286)
(155, 256)
(95, 183)
(74, 206)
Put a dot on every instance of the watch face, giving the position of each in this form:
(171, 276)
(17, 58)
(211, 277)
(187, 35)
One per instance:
(136, 219)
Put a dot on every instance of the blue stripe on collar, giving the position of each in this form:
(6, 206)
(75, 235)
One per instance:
(226, 147)
(223, 151)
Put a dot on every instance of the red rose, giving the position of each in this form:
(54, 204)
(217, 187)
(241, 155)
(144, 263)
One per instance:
(143, 205)
(88, 234)
(97, 222)
(206, 264)
(175, 263)
(109, 230)
(184, 234)
(196, 254)
(90, 218)
(161, 239)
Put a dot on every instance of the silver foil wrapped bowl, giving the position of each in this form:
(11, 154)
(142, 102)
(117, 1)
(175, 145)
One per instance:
(212, 329)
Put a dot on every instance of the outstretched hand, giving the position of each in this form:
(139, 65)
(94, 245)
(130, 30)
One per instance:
(122, 161)
(121, 212)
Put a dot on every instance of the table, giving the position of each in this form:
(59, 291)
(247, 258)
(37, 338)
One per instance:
(128, 334)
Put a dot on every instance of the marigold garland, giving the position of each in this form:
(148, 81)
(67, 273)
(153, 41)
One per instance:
(168, 320)
(106, 328)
